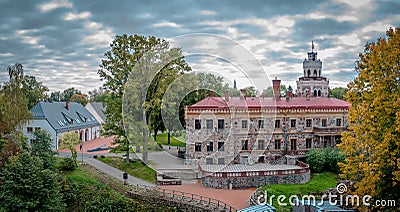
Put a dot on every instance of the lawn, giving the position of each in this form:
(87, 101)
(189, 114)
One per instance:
(136, 169)
(319, 182)
(175, 141)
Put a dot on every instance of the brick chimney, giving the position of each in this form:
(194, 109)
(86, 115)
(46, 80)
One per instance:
(243, 93)
(226, 96)
(66, 105)
(276, 86)
(211, 93)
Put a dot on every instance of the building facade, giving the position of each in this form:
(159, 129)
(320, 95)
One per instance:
(58, 118)
(251, 130)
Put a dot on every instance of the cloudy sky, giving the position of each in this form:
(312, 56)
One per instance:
(62, 42)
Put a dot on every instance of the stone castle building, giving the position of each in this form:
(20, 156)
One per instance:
(230, 135)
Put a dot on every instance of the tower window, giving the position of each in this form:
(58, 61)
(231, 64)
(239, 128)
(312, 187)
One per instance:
(319, 92)
(315, 92)
(308, 73)
(315, 73)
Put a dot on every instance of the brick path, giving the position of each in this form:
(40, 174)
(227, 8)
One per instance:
(93, 144)
(235, 198)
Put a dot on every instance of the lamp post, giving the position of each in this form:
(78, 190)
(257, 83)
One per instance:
(81, 148)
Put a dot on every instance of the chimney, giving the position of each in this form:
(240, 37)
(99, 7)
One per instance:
(226, 96)
(211, 93)
(66, 105)
(243, 93)
(276, 85)
(308, 96)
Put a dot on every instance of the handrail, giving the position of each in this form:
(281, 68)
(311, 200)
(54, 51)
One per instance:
(181, 195)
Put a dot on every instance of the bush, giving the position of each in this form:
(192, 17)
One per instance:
(315, 158)
(332, 157)
(67, 164)
(324, 160)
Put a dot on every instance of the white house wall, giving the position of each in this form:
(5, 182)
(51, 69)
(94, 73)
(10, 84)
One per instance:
(44, 125)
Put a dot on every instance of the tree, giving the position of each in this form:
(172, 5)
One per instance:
(10, 148)
(33, 90)
(135, 56)
(55, 96)
(42, 148)
(68, 93)
(338, 92)
(14, 107)
(68, 141)
(251, 91)
(372, 144)
(27, 186)
(80, 98)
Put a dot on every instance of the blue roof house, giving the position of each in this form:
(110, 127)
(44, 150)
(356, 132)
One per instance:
(58, 118)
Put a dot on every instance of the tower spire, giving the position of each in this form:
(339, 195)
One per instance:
(312, 46)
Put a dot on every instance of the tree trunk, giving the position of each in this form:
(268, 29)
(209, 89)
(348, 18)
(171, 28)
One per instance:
(155, 135)
(169, 137)
(127, 151)
(145, 138)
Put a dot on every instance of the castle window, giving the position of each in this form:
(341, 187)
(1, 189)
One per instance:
(315, 73)
(209, 161)
(308, 73)
(293, 144)
(209, 124)
(324, 122)
(221, 124)
(293, 123)
(309, 123)
(197, 147)
(197, 124)
(221, 147)
(338, 122)
(29, 129)
(277, 123)
(245, 144)
(221, 161)
(260, 124)
(315, 92)
(261, 159)
(210, 146)
(277, 144)
(244, 124)
(260, 145)
(308, 143)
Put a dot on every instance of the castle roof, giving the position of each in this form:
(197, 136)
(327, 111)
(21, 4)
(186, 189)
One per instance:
(260, 102)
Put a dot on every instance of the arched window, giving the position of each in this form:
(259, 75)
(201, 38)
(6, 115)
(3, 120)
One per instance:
(315, 92)
(315, 73)
(309, 72)
(319, 92)
(319, 73)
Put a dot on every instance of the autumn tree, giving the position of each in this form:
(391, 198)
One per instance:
(80, 98)
(372, 145)
(69, 141)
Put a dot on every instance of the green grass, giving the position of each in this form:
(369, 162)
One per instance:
(136, 169)
(175, 141)
(319, 182)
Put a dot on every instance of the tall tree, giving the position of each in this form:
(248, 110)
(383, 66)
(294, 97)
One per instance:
(33, 90)
(135, 56)
(55, 96)
(80, 98)
(68, 93)
(372, 145)
(14, 107)
(338, 92)
(69, 141)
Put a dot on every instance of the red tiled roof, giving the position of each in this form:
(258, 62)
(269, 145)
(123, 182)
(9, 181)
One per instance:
(260, 102)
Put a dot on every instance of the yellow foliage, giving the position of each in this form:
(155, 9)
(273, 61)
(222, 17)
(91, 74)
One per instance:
(373, 145)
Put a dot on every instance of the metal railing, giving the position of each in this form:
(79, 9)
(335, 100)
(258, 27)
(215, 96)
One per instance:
(185, 197)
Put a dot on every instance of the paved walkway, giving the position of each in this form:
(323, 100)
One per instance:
(106, 141)
(235, 198)
(114, 172)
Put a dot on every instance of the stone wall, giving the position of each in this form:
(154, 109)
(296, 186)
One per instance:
(254, 181)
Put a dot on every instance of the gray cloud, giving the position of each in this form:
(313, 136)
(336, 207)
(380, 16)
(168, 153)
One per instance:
(64, 53)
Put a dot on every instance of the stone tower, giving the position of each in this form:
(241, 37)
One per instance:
(312, 82)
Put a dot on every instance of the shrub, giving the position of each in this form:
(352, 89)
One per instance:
(315, 158)
(324, 160)
(67, 164)
(332, 157)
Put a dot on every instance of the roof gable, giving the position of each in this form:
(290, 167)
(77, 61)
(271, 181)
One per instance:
(63, 119)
